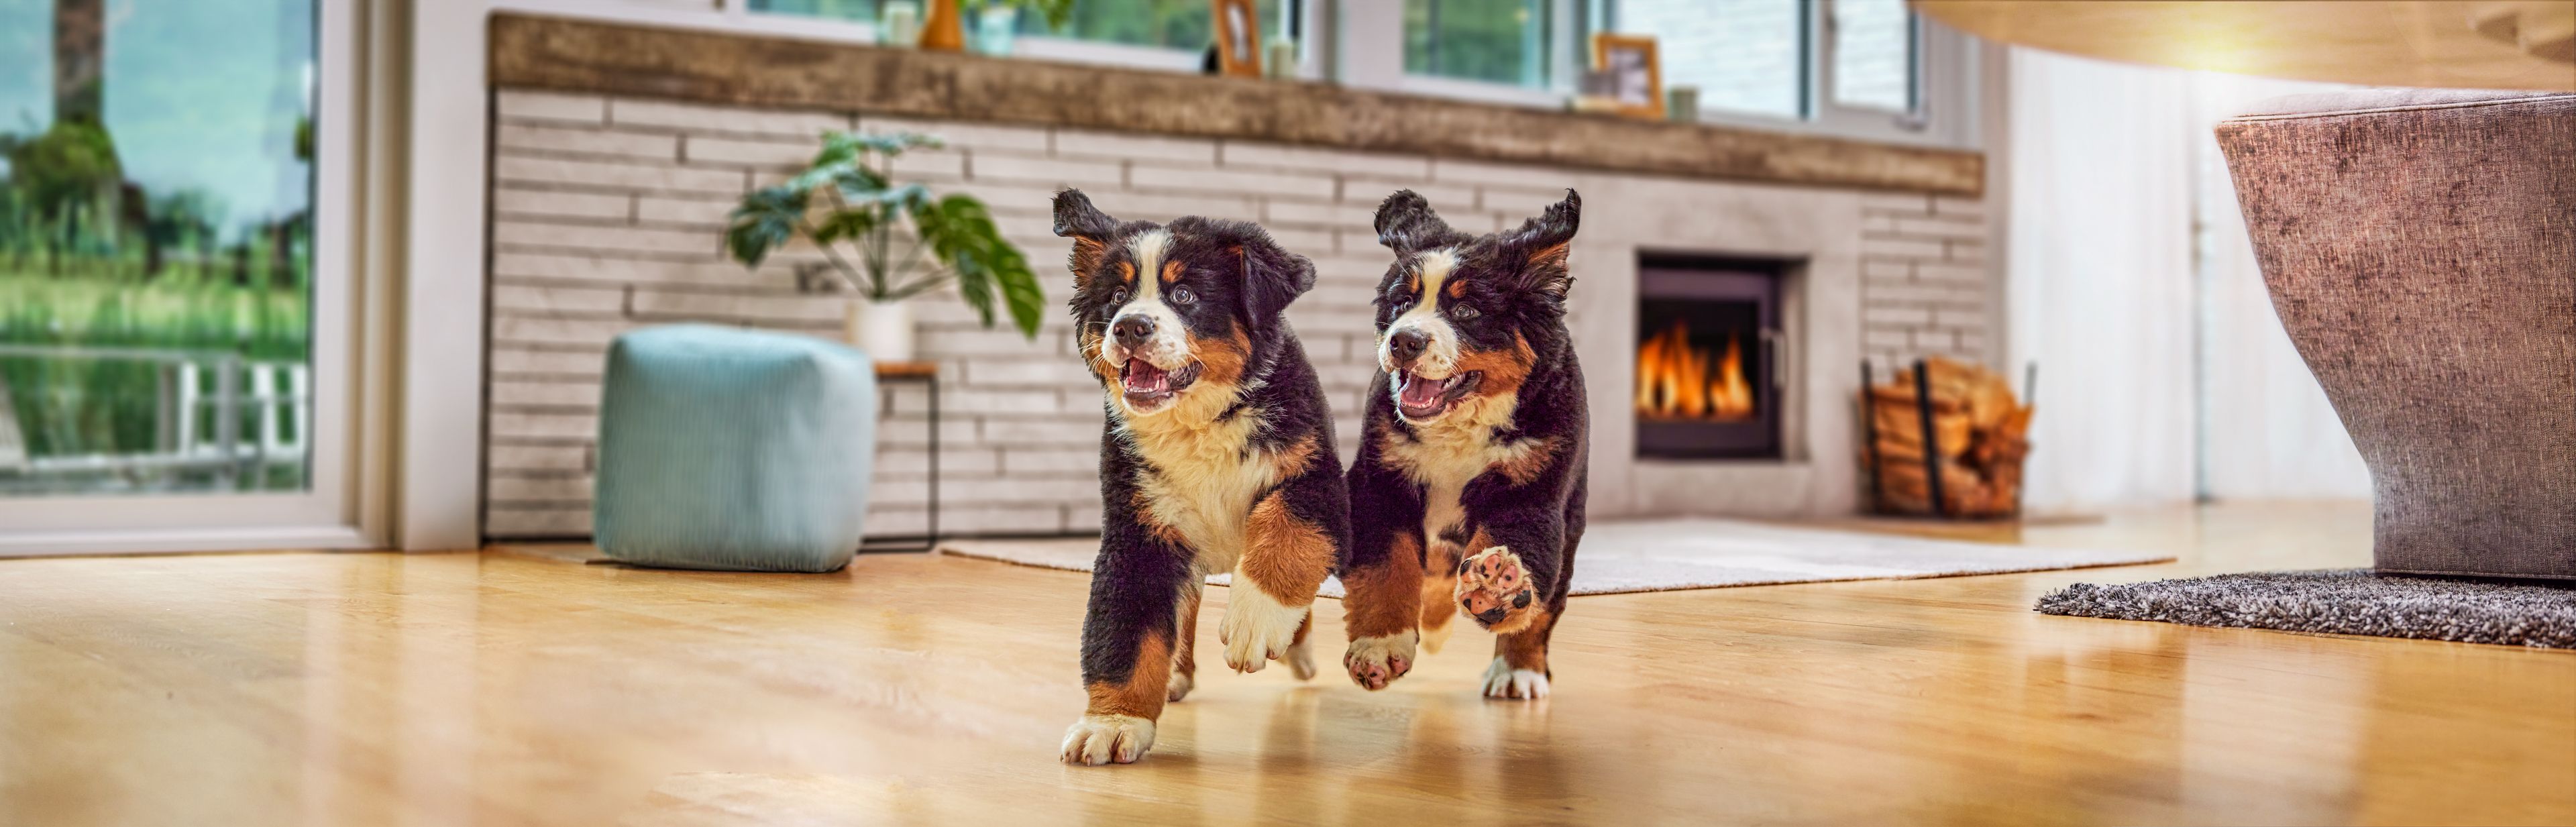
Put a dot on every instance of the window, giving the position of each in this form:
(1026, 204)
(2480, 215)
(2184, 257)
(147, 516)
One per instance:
(861, 11)
(1874, 54)
(1497, 41)
(1746, 56)
(1854, 67)
(156, 246)
(1171, 24)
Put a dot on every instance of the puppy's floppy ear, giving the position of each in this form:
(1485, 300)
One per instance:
(1406, 224)
(1272, 276)
(1090, 229)
(1541, 243)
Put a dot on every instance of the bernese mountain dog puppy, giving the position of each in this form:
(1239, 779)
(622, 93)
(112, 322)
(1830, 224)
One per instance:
(1218, 456)
(1467, 495)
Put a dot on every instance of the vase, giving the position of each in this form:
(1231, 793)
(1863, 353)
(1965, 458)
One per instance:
(944, 30)
(883, 329)
(995, 27)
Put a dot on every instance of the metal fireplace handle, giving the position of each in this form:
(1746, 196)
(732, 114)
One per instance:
(1771, 358)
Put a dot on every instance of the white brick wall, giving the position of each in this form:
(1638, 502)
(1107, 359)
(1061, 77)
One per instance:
(1924, 280)
(606, 216)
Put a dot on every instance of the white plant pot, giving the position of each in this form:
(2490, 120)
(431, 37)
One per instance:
(883, 329)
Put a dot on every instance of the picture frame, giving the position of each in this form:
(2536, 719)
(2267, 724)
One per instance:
(1236, 24)
(1632, 75)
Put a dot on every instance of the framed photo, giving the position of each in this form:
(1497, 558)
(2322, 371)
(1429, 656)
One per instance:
(1631, 77)
(1237, 25)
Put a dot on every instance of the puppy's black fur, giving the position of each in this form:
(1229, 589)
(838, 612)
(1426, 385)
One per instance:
(1217, 455)
(1467, 495)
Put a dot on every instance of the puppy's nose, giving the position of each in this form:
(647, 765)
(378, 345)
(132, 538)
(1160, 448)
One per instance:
(1132, 331)
(1406, 345)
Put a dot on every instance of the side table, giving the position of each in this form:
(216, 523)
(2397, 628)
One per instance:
(925, 374)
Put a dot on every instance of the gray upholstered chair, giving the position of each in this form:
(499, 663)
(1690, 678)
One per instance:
(2420, 246)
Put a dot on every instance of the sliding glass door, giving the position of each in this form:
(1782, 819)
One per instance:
(174, 295)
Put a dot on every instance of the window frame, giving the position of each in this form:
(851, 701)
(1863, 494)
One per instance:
(1944, 84)
(344, 502)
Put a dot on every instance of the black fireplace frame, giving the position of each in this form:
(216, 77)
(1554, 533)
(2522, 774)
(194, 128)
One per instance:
(1760, 282)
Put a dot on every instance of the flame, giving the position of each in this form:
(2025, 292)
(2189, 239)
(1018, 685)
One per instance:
(1675, 381)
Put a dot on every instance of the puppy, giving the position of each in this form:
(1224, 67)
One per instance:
(1467, 495)
(1218, 457)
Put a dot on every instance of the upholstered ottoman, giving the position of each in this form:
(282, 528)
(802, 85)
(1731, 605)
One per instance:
(733, 450)
(2420, 246)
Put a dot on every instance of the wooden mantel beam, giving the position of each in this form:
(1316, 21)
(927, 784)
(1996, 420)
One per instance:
(531, 52)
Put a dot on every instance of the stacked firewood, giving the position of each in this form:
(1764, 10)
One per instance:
(1980, 433)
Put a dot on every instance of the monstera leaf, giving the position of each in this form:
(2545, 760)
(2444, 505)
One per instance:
(909, 239)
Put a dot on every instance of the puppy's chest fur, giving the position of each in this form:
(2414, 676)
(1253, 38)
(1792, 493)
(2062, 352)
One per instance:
(1200, 479)
(1445, 455)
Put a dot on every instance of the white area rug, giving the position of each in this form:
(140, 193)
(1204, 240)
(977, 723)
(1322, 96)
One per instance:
(1661, 555)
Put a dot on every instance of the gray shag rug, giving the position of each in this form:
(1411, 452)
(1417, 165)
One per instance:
(2340, 601)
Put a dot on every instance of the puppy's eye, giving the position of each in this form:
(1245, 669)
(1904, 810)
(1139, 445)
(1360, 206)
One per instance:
(1118, 296)
(1183, 296)
(1463, 312)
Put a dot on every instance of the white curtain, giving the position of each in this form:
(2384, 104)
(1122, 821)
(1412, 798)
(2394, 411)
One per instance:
(2100, 286)
(2164, 374)
(2267, 431)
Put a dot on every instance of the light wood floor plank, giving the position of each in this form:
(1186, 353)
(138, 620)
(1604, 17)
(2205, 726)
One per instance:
(491, 689)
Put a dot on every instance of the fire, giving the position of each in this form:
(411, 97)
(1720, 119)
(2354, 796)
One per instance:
(1676, 381)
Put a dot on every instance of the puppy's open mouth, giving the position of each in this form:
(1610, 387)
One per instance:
(1148, 386)
(1420, 398)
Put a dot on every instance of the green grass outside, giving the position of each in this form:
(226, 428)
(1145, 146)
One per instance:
(73, 406)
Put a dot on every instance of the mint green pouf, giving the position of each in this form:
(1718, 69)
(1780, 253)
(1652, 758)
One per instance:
(733, 450)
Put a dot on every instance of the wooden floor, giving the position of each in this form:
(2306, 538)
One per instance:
(355, 689)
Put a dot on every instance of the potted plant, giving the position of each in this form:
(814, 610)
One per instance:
(908, 241)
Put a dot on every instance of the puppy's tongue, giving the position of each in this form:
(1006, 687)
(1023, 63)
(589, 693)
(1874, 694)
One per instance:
(1144, 377)
(1421, 393)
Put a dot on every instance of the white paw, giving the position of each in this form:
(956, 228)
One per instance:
(1181, 685)
(1301, 659)
(1377, 661)
(1503, 681)
(1100, 739)
(1256, 628)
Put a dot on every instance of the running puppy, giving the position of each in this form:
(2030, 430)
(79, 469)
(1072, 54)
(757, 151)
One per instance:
(1468, 492)
(1218, 457)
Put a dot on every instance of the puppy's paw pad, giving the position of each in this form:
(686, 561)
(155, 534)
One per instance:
(1375, 662)
(1105, 739)
(1493, 586)
(1256, 628)
(1504, 683)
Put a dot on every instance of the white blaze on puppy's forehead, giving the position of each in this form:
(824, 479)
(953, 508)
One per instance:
(1434, 267)
(1148, 248)
(1431, 270)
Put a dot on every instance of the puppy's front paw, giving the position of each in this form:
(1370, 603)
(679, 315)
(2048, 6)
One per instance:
(1101, 739)
(1180, 686)
(1494, 588)
(1301, 659)
(1377, 661)
(1256, 628)
(1502, 682)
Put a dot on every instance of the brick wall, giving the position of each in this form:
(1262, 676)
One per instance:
(1925, 286)
(606, 214)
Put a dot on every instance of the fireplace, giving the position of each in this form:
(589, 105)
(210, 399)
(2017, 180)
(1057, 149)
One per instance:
(1709, 356)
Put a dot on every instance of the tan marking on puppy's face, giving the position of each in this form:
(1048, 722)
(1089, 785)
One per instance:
(1286, 555)
(1149, 683)
(1381, 599)
(1222, 360)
